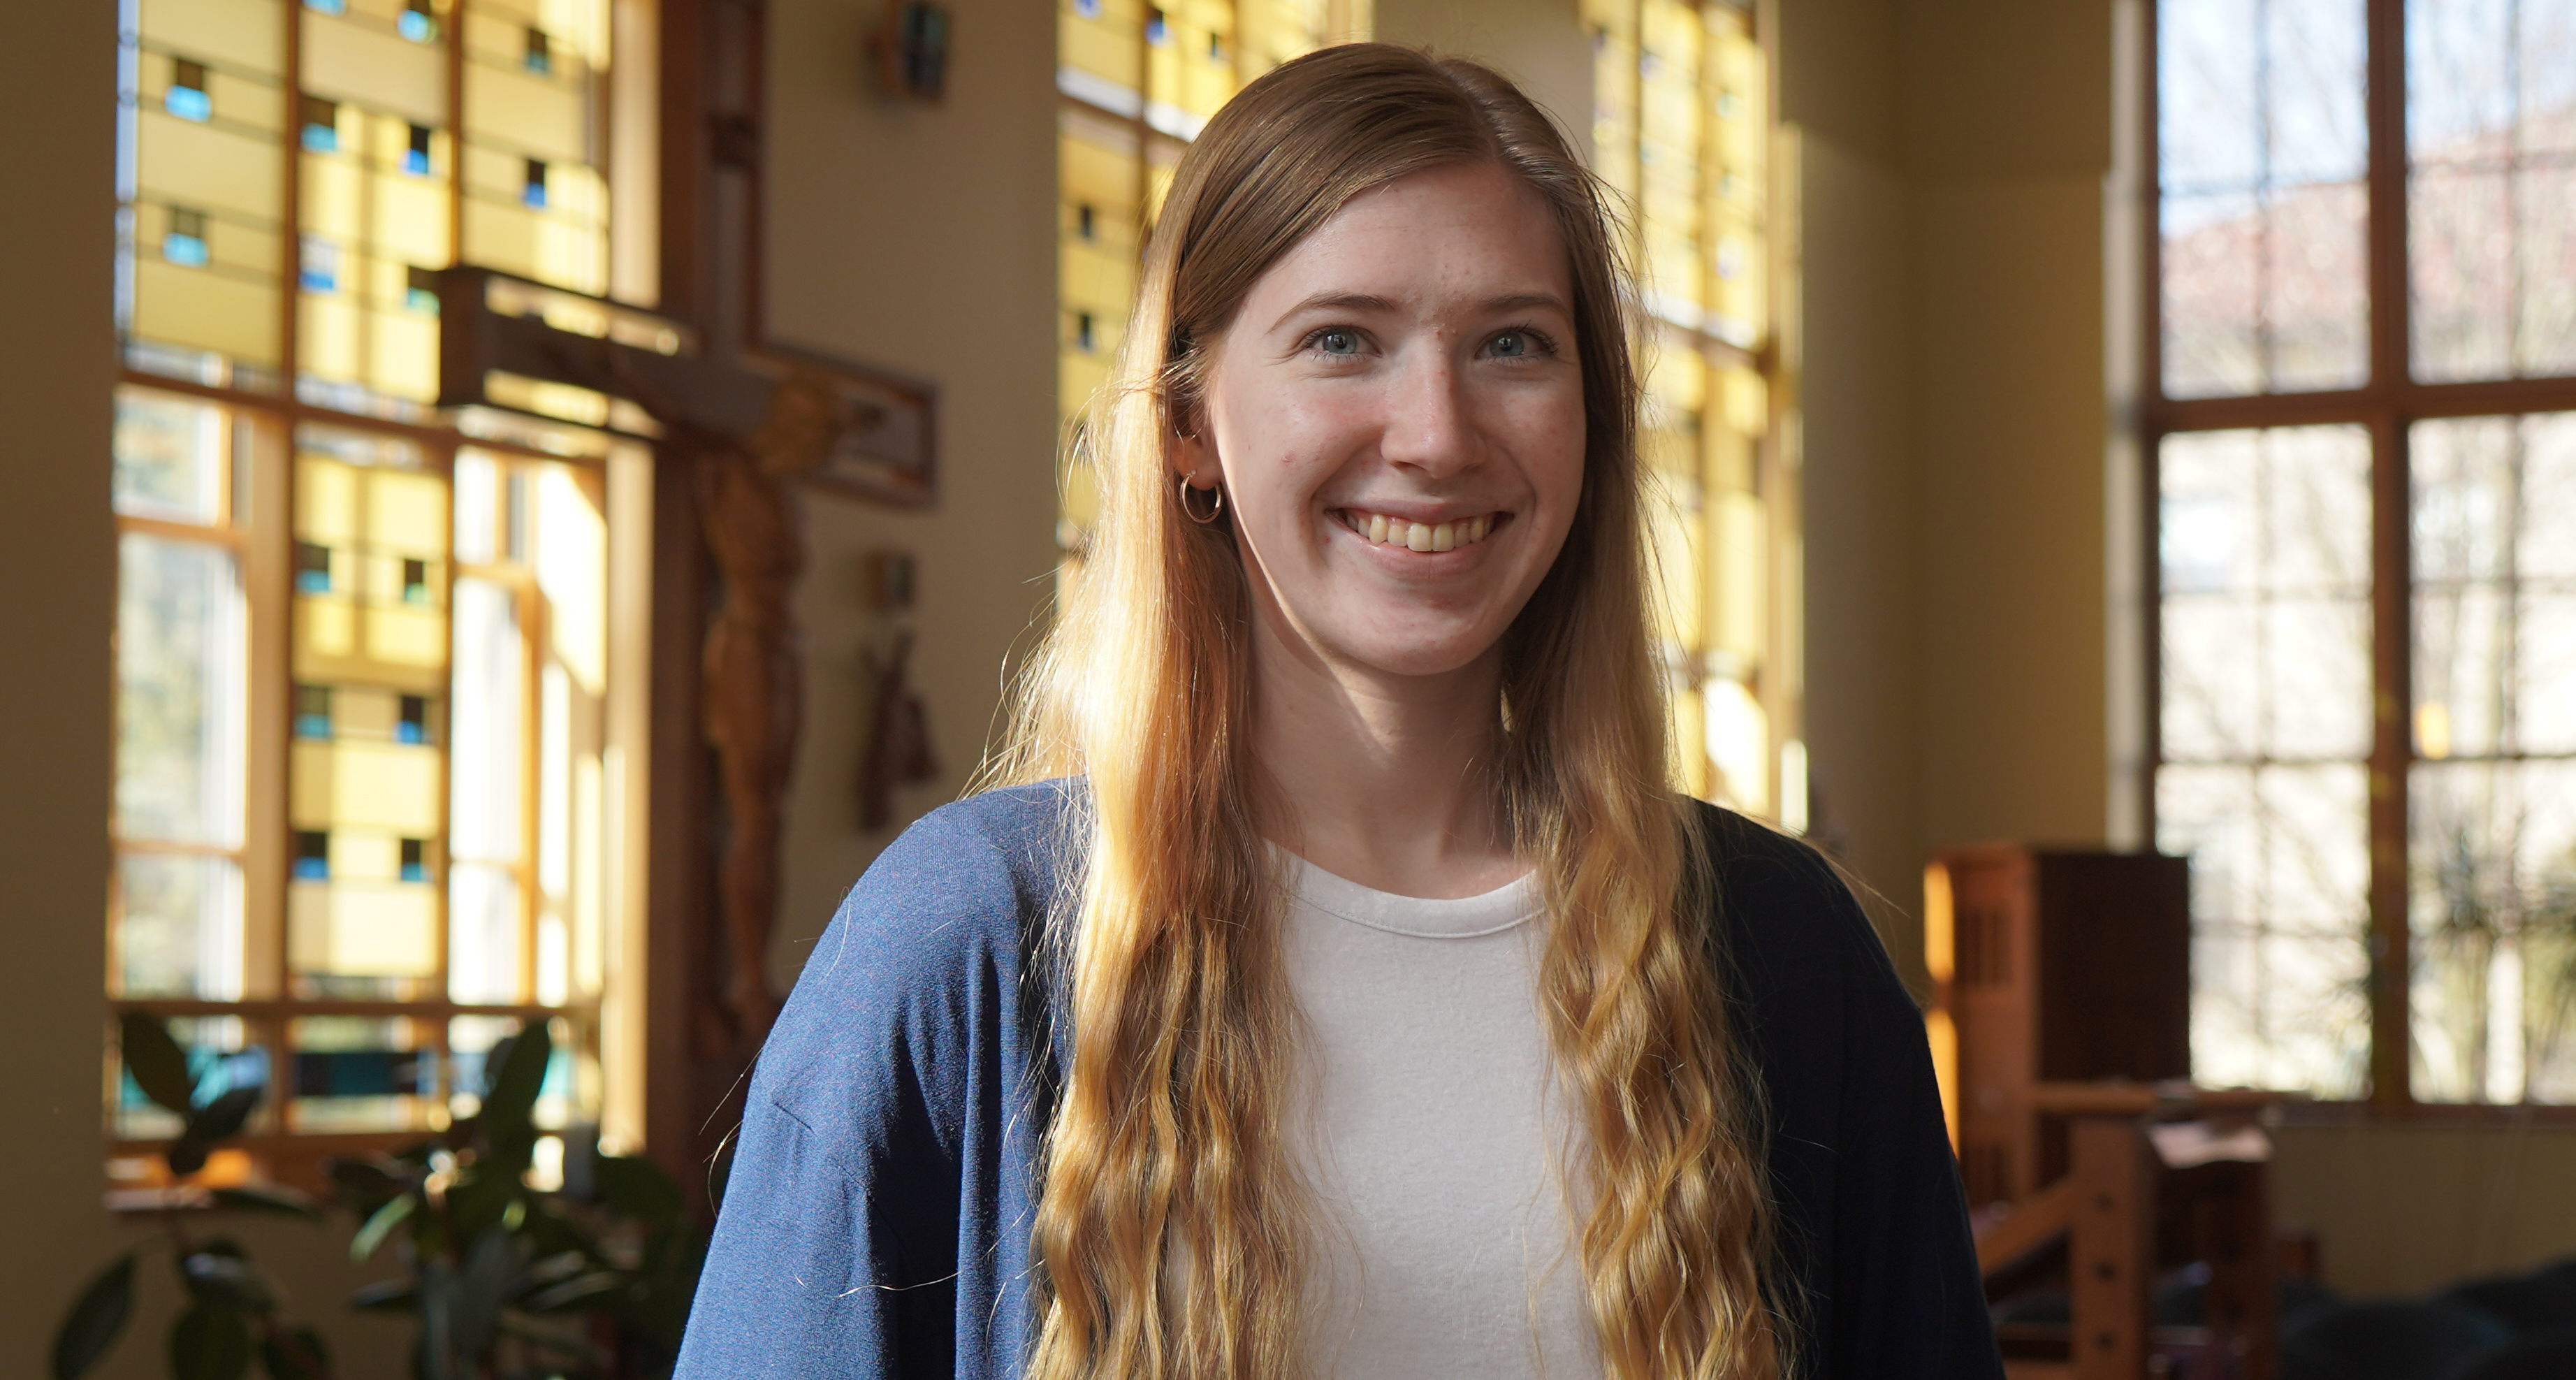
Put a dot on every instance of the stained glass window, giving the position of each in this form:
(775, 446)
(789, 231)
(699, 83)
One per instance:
(2367, 614)
(1137, 84)
(1681, 128)
(368, 785)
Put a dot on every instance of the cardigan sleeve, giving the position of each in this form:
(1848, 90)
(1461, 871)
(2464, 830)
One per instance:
(1872, 1222)
(873, 1171)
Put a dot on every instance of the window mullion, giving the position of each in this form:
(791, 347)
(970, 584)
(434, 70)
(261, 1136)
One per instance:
(2391, 748)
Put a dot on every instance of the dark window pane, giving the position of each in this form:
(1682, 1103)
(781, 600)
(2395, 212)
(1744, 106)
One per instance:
(412, 725)
(321, 121)
(313, 711)
(312, 568)
(187, 96)
(312, 855)
(415, 860)
(415, 581)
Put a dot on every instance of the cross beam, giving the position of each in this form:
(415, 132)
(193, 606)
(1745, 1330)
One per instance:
(497, 329)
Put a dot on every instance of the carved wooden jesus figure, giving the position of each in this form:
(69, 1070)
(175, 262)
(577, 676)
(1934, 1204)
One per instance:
(753, 698)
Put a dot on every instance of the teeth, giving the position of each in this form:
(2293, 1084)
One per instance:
(1421, 536)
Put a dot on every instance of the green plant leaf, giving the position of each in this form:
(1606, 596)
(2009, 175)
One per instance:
(365, 1184)
(381, 1225)
(223, 1116)
(95, 1319)
(638, 1187)
(397, 1295)
(276, 1198)
(295, 1355)
(209, 1344)
(583, 1293)
(220, 1280)
(513, 1092)
(159, 1066)
(482, 1199)
(482, 1287)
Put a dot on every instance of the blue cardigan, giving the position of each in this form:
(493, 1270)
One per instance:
(876, 1221)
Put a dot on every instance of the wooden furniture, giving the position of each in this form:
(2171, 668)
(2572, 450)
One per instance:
(2049, 967)
(2060, 1025)
(2129, 1209)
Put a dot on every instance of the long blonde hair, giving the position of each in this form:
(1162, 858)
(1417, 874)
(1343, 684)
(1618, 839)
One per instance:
(1171, 1235)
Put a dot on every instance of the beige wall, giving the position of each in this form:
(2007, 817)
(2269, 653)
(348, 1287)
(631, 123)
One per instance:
(921, 238)
(1537, 43)
(58, 76)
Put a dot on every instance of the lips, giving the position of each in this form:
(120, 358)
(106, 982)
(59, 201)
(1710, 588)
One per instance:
(1385, 529)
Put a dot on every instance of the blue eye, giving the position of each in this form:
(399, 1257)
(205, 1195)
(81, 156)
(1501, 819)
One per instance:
(1511, 343)
(1337, 342)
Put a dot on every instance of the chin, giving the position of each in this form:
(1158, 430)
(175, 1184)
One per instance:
(1433, 656)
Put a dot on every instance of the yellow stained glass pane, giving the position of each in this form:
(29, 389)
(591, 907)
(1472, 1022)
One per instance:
(536, 201)
(364, 58)
(368, 650)
(199, 260)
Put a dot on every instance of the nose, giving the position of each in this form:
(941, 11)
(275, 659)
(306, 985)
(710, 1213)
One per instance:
(1430, 426)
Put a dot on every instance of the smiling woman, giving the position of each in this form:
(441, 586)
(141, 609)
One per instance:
(1335, 982)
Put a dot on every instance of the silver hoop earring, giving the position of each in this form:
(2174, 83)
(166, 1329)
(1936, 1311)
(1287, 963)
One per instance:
(1216, 505)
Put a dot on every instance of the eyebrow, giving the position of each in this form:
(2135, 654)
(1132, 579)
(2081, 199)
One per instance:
(1370, 302)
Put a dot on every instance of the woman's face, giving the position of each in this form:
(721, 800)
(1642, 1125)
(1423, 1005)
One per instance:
(1397, 413)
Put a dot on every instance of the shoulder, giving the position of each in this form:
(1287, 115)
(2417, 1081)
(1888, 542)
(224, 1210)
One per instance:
(997, 850)
(1787, 927)
(929, 938)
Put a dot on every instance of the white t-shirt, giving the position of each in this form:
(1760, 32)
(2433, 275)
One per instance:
(1444, 1240)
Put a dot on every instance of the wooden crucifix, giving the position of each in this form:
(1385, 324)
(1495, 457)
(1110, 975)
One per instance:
(750, 429)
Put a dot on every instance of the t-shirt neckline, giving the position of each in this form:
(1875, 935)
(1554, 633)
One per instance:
(1512, 904)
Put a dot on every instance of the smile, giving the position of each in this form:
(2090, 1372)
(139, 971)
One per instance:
(1383, 530)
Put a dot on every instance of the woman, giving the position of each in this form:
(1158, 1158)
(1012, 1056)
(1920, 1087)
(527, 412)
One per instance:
(1337, 987)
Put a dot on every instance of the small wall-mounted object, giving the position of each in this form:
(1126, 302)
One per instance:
(889, 579)
(908, 49)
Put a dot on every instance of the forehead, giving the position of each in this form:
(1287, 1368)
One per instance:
(1458, 233)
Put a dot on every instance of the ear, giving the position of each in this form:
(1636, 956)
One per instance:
(1195, 459)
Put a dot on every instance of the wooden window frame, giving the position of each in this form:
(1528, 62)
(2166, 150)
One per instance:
(270, 1005)
(2386, 407)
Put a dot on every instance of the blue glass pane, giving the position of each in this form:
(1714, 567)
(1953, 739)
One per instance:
(417, 27)
(415, 162)
(320, 265)
(360, 1073)
(322, 138)
(187, 251)
(312, 725)
(328, 6)
(188, 103)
